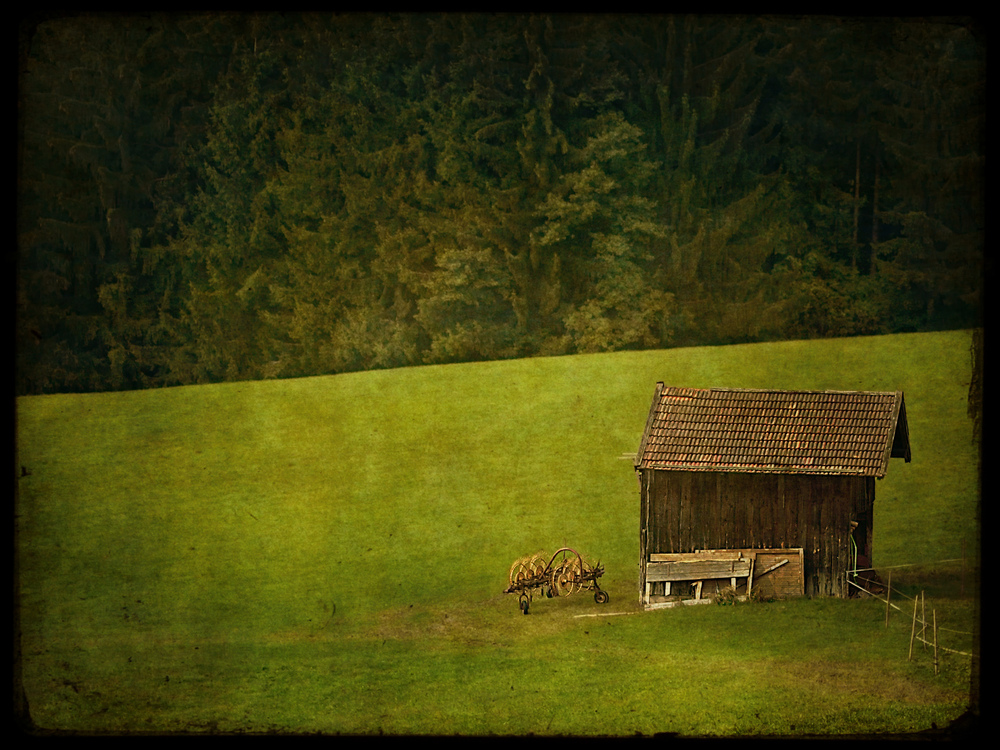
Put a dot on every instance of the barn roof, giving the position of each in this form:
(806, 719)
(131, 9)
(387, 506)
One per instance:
(768, 431)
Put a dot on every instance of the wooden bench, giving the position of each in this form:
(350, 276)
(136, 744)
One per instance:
(697, 567)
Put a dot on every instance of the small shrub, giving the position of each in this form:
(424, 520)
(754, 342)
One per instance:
(759, 597)
(726, 596)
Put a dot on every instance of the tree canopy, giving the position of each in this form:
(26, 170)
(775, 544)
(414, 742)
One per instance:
(211, 197)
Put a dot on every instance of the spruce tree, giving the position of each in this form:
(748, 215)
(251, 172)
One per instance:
(695, 88)
(108, 106)
(933, 127)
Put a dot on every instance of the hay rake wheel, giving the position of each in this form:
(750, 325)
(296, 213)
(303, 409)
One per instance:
(566, 575)
(526, 569)
(518, 571)
(536, 566)
(526, 574)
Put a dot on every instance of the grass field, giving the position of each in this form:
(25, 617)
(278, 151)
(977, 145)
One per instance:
(327, 555)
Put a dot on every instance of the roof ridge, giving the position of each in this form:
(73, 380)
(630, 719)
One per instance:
(720, 389)
(768, 429)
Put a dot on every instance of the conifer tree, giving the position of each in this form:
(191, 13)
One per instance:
(695, 87)
(231, 242)
(106, 105)
(346, 198)
(600, 227)
(933, 128)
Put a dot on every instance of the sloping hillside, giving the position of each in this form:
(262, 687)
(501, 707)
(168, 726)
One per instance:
(235, 513)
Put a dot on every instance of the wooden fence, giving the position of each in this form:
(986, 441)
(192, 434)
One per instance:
(919, 624)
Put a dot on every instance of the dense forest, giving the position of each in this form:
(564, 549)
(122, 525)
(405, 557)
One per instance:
(213, 197)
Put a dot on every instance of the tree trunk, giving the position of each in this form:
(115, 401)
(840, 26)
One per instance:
(874, 256)
(857, 202)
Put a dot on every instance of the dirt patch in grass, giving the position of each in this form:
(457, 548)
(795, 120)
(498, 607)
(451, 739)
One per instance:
(491, 622)
(873, 681)
(414, 622)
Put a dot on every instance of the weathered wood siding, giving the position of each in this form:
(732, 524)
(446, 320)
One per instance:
(783, 581)
(685, 511)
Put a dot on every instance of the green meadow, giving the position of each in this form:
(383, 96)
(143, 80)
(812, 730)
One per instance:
(328, 555)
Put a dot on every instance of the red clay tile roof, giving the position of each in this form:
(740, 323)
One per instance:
(801, 432)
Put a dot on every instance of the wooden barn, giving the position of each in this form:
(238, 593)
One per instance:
(743, 470)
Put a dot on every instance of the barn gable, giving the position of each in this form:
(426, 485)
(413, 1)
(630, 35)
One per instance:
(800, 432)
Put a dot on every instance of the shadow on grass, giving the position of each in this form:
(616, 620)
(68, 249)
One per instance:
(940, 581)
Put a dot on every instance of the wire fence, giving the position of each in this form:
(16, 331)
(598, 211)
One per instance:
(919, 624)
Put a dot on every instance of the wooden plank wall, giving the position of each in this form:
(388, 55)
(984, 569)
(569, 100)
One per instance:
(685, 511)
(784, 582)
(781, 583)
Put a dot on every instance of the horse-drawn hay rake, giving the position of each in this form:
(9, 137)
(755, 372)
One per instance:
(565, 573)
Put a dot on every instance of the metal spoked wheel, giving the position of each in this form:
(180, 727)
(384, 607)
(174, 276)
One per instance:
(519, 571)
(525, 569)
(535, 566)
(567, 575)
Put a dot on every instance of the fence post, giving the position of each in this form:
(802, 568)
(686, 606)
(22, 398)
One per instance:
(913, 629)
(888, 593)
(934, 614)
(962, 594)
(923, 622)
